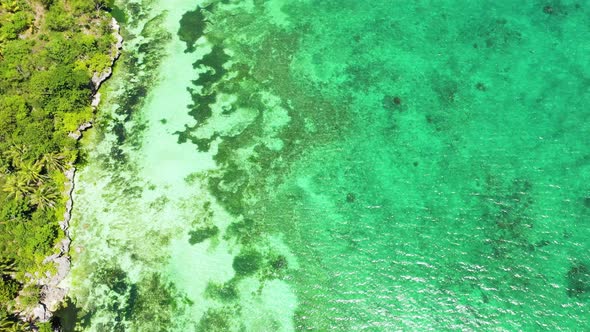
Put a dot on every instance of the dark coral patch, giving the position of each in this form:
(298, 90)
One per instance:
(120, 132)
(578, 280)
(201, 234)
(548, 9)
(215, 320)
(247, 263)
(214, 61)
(392, 103)
(114, 278)
(203, 99)
(224, 292)
(350, 197)
(446, 89)
(279, 263)
(192, 26)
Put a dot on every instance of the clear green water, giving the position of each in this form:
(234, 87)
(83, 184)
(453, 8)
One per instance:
(340, 165)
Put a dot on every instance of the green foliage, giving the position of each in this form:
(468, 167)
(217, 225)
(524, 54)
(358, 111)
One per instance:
(15, 25)
(58, 19)
(60, 89)
(98, 63)
(45, 3)
(7, 266)
(82, 6)
(29, 296)
(54, 161)
(86, 6)
(12, 6)
(49, 50)
(9, 322)
(8, 289)
(8, 286)
(45, 327)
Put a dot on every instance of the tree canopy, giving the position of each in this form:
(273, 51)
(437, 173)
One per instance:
(49, 50)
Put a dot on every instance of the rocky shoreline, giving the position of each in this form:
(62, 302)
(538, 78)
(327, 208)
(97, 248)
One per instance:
(52, 294)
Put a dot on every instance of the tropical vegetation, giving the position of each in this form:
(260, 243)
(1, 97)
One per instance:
(49, 51)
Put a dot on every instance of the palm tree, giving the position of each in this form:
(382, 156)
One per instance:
(5, 321)
(4, 166)
(17, 187)
(44, 197)
(10, 6)
(7, 266)
(54, 161)
(15, 154)
(9, 323)
(31, 172)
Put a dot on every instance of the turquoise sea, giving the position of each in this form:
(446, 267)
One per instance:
(323, 165)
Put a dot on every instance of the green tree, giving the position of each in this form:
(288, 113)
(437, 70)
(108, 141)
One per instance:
(58, 19)
(18, 23)
(16, 64)
(54, 161)
(46, 3)
(16, 187)
(102, 4)
(7, 266)
(45, 92)
(60, 89)
(30, 172)
(10, 5)
(16, 153)
(45, 327)
(8, 289)
(44, 197)
(6, 320)
(13, 325)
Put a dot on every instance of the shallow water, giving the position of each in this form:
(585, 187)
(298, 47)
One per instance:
(338, 165)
